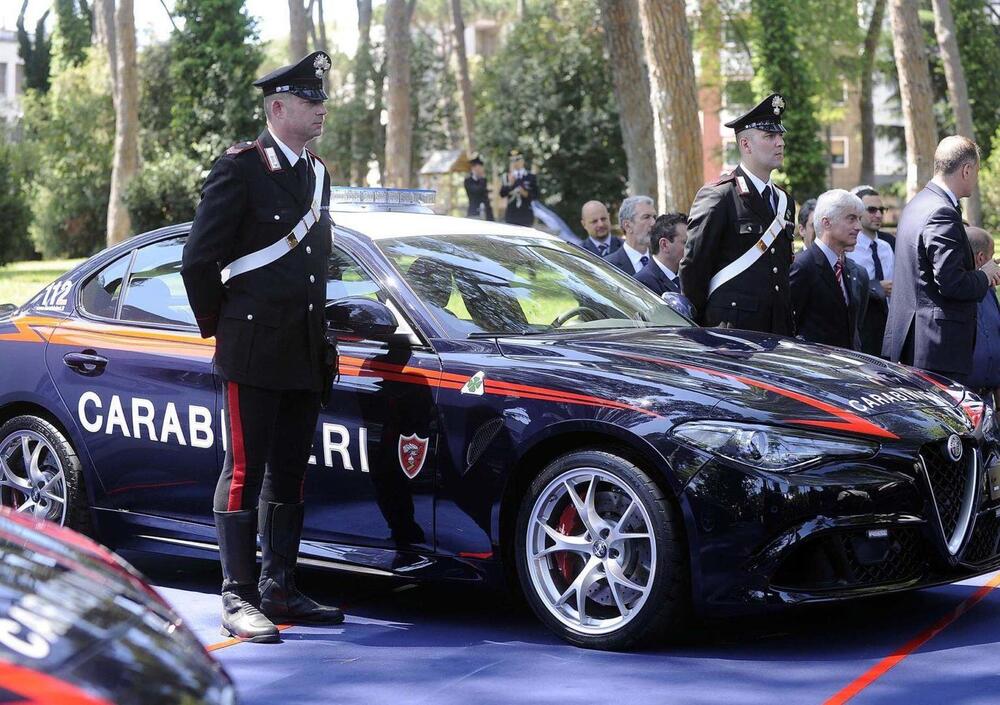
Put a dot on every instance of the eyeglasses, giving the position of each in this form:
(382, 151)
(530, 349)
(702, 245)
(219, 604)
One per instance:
(876, 209)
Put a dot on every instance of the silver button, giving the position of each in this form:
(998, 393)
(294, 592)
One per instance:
(310, 307)
(774, 269)
(309, 250)
(776, 288)
(249, 316)
(733, 304)
(312, 279)
(277, 217)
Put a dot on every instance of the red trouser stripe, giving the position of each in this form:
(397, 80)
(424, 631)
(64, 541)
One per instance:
(236, 443)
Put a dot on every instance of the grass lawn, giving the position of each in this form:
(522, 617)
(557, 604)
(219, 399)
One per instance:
(19, 281)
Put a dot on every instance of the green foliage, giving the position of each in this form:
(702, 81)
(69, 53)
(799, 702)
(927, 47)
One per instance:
(548, 92)
(989, 184)
(782, 69)
(71, 130)
(213, 65)
(436, 117)
(36, 55)
(15, 244)
(156, 90)
(165, 191)
(71, 37)
(979, 46)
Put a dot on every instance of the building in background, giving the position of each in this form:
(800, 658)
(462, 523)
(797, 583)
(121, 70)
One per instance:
(11, 77)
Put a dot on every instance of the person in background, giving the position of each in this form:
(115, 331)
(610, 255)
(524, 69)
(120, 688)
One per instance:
(635, 217)
(520, 187)
(805, 227)
(595, 220)
(874, 254)
(478, 190)
(667, 239)
(985, 375)
(829, 296)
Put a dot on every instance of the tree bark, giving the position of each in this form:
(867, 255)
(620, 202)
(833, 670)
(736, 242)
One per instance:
(399, 127)
(104, 36)
(298, 25)
(363, 130)
(865, 97)
(915, 92)
(623, 38)
(674, 98)
(468, 106)
(321, 23)
(126, 159)
(958, 91)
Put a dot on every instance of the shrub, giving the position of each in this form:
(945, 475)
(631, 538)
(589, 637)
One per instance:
(164, 192)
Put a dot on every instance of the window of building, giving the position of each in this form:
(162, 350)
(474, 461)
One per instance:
(3, 78)
(18, 79)
(839, 152)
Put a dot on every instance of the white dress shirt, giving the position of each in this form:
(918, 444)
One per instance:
(635, 256)
(292, 157)
(758, 184)
(862, 256)
(951, 194)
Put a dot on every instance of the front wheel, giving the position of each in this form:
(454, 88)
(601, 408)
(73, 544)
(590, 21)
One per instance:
(599, 553)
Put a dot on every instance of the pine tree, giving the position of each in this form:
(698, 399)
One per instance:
(71, 37)
(36, 53)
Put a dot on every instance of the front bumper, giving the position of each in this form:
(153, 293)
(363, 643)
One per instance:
(908, 518)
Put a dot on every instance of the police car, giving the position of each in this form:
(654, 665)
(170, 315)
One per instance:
(509, 406)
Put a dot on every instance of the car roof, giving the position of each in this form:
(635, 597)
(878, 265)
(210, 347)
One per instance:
(381, 225)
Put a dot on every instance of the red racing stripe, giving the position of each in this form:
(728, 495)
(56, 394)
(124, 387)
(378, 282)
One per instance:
(239, 452)
(39, 689)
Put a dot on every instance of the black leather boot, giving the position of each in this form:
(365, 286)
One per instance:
(280, 600)
(238, 554)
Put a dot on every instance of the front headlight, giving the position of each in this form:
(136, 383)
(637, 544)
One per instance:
(769, 447)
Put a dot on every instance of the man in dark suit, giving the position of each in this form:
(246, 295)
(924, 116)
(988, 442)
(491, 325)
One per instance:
(595, 220)
(635, 218)
(740, 234)
(937, 288)
(520, 187)
(874, 253)
(985, 375)
(667, 239)
(254, 267)
(478, 190)
(828, 294)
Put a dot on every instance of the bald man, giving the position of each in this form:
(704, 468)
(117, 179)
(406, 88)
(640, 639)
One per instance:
(595, 220)
(985, 375)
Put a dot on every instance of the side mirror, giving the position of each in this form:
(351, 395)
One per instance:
(7, 309)
(679, 303)
(363, 317)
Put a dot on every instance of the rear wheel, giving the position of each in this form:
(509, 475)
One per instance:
(599, 554)
(40, 473)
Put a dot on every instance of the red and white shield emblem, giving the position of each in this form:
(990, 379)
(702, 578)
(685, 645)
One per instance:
(412, 453)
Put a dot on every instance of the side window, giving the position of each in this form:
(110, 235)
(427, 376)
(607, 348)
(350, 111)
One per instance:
(155, 291)
(345, 277)
(99, 296)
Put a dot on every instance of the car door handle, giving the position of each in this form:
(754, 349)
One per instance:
(87, 363)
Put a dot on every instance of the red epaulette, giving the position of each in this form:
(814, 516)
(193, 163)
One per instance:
(723, 178)
(240, 147)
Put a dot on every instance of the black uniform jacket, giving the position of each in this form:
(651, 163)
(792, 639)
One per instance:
(653, 277)
(936, 288)
(821, 314)
(727, 220)
(479, 198)
(268, 323)
(519, 213)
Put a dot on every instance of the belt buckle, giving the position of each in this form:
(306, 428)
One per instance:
(761, 245)
(291, 241)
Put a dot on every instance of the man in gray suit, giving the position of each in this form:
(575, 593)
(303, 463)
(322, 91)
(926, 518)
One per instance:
(932, 312)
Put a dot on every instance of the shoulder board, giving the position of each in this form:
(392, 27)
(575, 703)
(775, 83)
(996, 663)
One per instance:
(240, 147)
(724, 178)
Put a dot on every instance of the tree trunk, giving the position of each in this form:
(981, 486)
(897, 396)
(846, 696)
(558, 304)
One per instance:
(468, 106)
(958, 91)
(915, 93)
(399, 127)
(623, 38)
(364, 126)
(104, 35)
(126, 159)
(321, 23)
(298, 24)
(674, 98)
(865, 97)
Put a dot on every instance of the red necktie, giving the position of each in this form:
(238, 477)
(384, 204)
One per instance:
(838, 271)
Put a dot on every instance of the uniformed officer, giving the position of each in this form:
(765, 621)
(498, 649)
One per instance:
(254, 267)
(740, 233)
(478, 190)
(520, 187)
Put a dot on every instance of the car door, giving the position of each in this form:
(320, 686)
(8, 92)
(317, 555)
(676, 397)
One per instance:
(136, 375)
(375, 454)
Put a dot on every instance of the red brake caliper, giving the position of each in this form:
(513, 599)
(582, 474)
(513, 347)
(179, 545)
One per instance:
(569, 525)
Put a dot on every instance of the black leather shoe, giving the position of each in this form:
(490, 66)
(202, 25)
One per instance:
(238, 554)
(280, 599)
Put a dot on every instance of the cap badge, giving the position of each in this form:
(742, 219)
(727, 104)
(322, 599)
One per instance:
(778, 104)
(322, 64)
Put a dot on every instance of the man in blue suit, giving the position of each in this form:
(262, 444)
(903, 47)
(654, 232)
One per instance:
(635, 216)
(937, 287)
(595, 220)
(667, 239)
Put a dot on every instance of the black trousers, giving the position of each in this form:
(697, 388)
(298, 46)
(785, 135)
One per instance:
(269, 439)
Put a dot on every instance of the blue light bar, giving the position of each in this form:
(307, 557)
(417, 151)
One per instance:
(382, 196)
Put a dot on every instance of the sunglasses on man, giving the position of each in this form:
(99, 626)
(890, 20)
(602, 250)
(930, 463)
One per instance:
(876, 209)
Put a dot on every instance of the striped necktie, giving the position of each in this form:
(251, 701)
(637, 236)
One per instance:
(838, 271)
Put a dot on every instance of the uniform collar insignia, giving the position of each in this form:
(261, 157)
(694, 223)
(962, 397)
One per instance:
(741, 184)
(272, 159)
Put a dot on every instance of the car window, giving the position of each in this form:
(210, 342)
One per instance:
(155, 291)
(99, 296)
(345, 277)
(521, 285)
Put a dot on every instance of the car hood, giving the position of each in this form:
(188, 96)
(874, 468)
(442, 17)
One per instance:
(757, 376)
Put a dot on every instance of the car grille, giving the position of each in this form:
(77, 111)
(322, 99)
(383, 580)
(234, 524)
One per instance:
(850, 559)
(949, 481)
(982, 546)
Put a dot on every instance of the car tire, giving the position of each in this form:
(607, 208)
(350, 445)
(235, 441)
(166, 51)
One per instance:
(40, 474)
(616, 550)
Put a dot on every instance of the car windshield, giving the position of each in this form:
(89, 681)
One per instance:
(478, 285)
